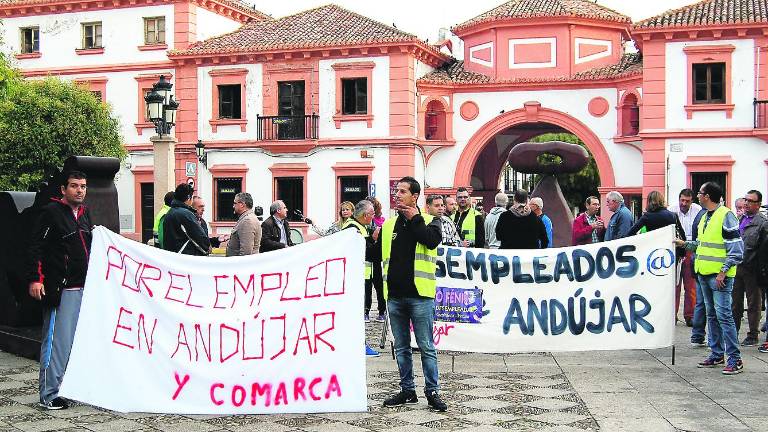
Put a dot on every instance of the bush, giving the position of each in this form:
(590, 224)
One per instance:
(44, 122)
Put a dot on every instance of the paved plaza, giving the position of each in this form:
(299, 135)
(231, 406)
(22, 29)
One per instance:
(586, 391)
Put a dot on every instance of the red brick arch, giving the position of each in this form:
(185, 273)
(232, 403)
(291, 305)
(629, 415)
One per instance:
(532, 113)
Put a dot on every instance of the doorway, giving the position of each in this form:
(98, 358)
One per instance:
(147, 211)
(290, 100)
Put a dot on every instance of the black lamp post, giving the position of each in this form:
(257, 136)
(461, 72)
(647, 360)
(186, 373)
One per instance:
(200, 152)
(161, 108)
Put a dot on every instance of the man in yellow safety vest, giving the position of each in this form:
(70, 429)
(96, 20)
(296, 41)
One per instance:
(469, 222)
(408, 255)
(719, 249)
(361, 218)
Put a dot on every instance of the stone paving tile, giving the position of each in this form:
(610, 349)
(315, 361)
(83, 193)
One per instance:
(116, 425)
(551, 404)
(42, 426)
(558, 418)
(418, 417)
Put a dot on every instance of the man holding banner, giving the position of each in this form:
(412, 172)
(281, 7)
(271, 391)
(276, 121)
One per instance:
(719, 249)
(59, 252)
(409, 252)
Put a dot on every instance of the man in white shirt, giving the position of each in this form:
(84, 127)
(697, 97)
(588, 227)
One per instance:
(686, 211)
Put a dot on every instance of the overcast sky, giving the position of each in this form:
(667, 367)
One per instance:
(425, 17)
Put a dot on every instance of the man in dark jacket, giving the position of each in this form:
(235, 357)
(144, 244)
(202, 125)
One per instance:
(59, 250)
(408, 246)
(753, 227)
(182, 232)
(275, 231)
(519, 228)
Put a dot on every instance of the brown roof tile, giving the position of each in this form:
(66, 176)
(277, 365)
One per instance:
(546, 8)
(324, 26)
(454, 73)
(710, 12)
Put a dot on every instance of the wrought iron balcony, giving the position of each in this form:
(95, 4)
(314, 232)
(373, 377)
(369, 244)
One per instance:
(272, 128)
(761, 114)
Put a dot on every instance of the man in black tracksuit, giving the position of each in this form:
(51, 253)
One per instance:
(58, 263)
(182, 232)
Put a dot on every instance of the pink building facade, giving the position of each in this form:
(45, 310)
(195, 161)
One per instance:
(328, 105)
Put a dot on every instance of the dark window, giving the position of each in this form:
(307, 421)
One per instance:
(709, 83)
(154, 30)
(354, 96)
(92, 35)
(30, 40)
(146, 107)
(229, 101)
(147, 210)
(699, 178)
(434, 119)
(291, 104)
(226, 189)
(630, 116)
(353, 188)
(97, 95)
(291, 191)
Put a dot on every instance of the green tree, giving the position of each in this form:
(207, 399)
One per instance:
(577, 186)
(44, 122)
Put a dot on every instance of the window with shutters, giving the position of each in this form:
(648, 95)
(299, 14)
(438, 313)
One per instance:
(154, 30)
(30, 40)
(91, 35)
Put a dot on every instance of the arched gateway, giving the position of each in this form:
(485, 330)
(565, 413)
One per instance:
(532, 113)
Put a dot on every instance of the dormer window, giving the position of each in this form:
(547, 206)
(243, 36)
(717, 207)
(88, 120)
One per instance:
(30, 40)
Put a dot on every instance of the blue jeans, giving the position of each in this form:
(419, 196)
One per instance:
(722, 329)
(420, 312)
(698, 332)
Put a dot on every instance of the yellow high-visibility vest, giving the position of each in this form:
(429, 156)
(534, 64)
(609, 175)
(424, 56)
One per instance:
(423, 266)
(364, 232)
(711, 253)
(467, 227)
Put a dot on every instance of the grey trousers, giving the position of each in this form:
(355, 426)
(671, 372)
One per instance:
(59, 326)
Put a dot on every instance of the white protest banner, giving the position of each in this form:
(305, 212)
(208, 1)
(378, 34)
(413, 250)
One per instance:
(270, 333)
(605, 296)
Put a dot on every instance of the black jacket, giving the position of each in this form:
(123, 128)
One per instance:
(270, 235)
(407, 233)
(653, 220)
(181, 215)
(59, 249)
(521, 231)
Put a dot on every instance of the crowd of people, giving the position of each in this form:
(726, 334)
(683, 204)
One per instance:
(722, 258)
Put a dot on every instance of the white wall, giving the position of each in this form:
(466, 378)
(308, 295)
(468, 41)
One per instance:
(627, 161)
(122, 94)
(321, 180)
(210, 24)
(741, 88)
(60, 35)
(749, 170)
(380, 101)
(253, 102)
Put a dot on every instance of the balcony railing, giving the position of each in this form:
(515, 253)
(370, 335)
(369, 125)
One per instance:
(272, 128)
(761, 114)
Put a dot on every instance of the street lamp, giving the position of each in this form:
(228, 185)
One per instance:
(200, 152)
(161, 108)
